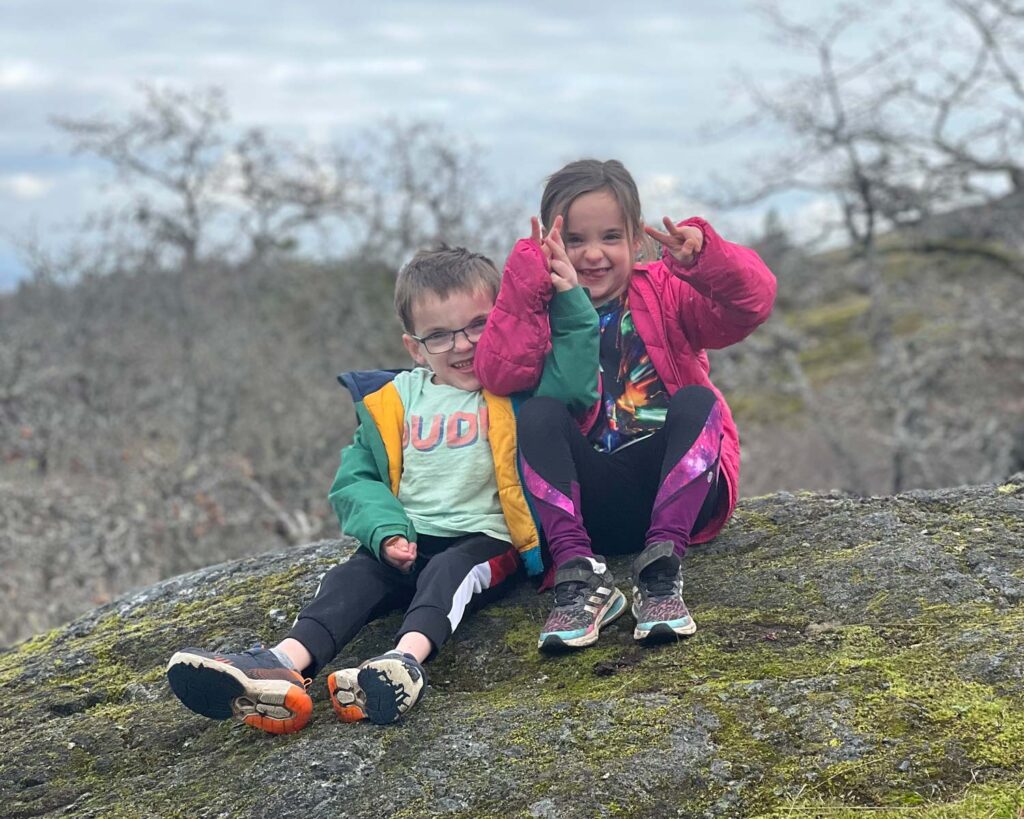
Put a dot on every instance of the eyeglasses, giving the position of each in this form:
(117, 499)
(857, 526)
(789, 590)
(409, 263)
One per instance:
(444, 340)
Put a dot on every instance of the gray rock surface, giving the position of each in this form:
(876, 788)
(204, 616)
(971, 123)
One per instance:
(851, 654)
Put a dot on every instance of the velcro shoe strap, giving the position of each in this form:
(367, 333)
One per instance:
(576, 574)
(656, 551)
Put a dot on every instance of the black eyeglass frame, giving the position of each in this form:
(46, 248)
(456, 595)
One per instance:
(451, 336)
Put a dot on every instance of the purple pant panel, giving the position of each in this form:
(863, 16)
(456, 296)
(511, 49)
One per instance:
(560, 517)
(683, 490)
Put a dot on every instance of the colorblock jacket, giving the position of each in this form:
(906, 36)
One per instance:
(679, 313)
(364, 494)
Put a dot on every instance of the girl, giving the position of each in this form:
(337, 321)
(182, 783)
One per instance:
(654, 465)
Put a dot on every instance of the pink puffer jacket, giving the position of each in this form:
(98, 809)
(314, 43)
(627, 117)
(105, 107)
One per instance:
(678, 312)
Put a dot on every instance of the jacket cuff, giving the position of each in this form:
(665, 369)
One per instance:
(382, 533)
(570, 303)
(527, 266)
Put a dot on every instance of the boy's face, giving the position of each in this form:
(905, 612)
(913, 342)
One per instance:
(430, 315)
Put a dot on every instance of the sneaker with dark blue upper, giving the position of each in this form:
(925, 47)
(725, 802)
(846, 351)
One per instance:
(658, 594)
(585, 600)
(253, 686)
(381, 690)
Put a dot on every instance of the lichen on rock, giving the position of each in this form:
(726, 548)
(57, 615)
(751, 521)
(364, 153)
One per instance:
(851, 653)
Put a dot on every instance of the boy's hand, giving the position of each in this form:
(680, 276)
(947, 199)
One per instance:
(683, 242)
(398, 552)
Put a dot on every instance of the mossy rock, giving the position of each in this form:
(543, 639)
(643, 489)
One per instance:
(852, 655)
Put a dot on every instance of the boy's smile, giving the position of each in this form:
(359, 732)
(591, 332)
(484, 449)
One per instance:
(432, 314)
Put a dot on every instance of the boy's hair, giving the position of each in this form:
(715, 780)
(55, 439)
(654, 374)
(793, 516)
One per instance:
(441, 271)
(588, 175)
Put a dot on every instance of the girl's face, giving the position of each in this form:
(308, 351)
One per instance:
(599, 245)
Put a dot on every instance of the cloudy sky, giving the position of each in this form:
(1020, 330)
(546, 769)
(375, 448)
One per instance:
(535, 84)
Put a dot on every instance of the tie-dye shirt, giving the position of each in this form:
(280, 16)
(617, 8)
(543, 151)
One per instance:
(633, 398)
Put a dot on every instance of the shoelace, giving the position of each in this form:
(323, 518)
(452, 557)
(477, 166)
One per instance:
(566, 594)
(660, 584)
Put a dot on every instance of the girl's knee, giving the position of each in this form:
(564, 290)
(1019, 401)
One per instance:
(540, 413)
(693, 401)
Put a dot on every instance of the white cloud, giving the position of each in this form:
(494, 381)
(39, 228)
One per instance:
(399, 32)
(21, 75)
(25, 186)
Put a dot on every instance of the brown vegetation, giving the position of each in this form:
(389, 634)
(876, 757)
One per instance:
(168, 395)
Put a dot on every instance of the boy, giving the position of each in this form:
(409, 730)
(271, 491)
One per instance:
(429, 487)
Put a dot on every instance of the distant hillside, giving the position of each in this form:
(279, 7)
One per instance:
(154, 425)
(950, 383)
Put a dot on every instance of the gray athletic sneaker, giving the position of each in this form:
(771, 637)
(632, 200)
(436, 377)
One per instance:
(658, 594)
(585, 600)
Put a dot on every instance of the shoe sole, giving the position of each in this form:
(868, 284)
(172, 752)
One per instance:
(347, 699)
(664, 630)
(389, 690)
(220, 691)
(613, 609)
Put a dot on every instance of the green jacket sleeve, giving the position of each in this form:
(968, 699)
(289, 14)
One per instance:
(362, 499)
(571, 365)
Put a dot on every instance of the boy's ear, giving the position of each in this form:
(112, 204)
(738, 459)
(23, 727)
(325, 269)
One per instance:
(415, 349)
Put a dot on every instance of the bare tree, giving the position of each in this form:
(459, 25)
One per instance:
(928, 117)
(422, 185)
(169, 155)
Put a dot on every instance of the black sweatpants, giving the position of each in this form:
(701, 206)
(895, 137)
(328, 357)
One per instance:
(449, 573)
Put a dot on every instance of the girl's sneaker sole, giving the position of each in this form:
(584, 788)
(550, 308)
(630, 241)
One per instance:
(669, 630)
(219, 691)
(613, 609)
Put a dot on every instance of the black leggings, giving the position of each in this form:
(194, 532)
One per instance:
(663, 487)
(448, 575)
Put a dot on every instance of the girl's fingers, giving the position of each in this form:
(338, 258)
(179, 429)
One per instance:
(663, 238)
(565, 271)
(560, 268)
(555, 236)
(535, 232)
(550, 247)
(558, 249)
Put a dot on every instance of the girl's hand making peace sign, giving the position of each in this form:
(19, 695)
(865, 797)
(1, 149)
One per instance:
(563, 274)
(683, 242)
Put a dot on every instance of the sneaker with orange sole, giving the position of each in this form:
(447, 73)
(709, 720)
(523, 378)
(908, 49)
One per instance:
(253, 686)
(347, 698)
(381, 690)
